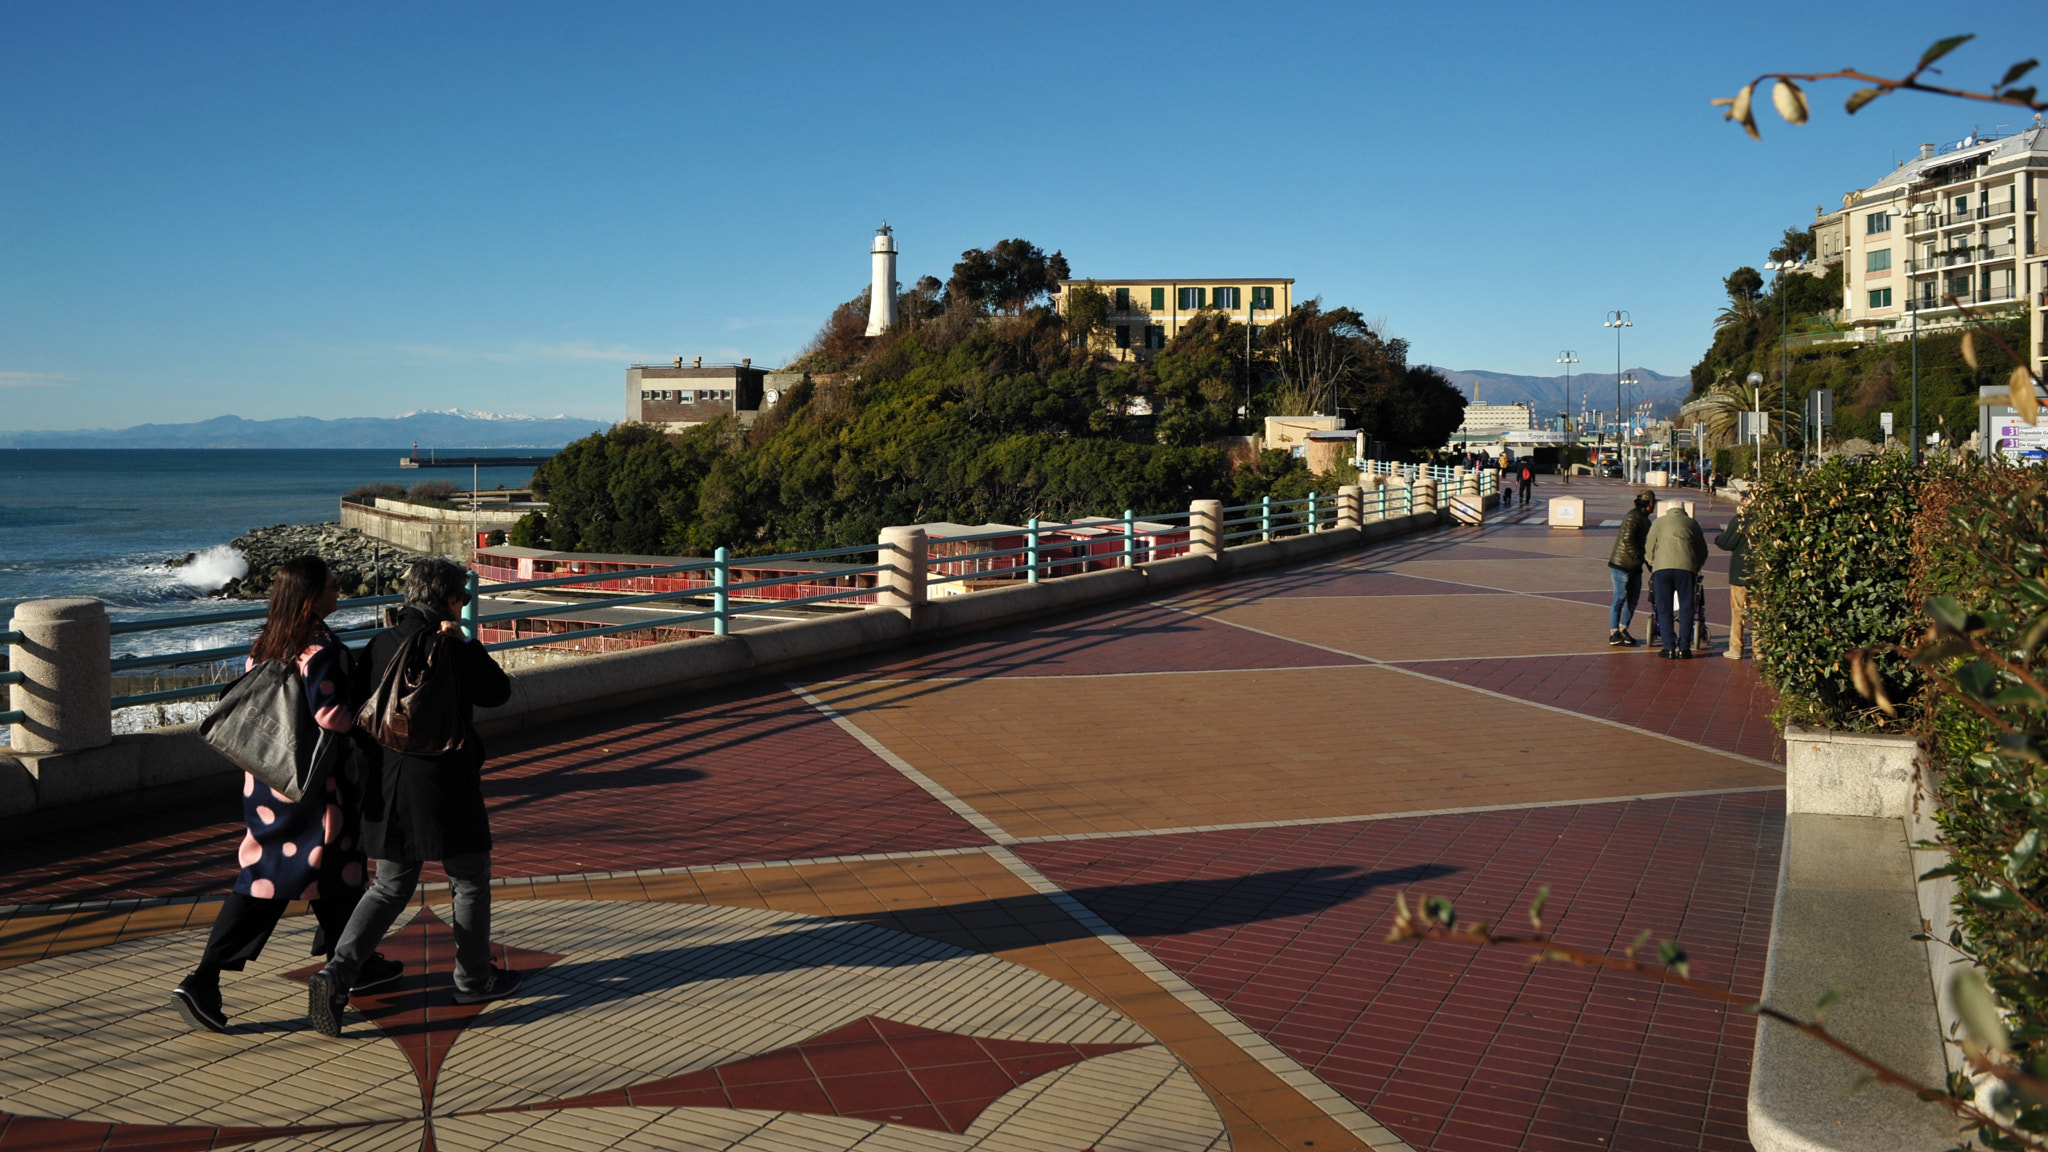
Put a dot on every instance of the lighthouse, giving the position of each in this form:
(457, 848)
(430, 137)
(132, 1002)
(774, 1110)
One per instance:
(882, 295)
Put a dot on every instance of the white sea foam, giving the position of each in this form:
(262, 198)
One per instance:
(213, 568)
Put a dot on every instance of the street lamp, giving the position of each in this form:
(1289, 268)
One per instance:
(1617, 320)
(1913, 299)
(1781, 267)
(1568, 358)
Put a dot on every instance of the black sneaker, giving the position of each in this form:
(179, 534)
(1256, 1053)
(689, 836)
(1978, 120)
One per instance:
(1665, 654)
(377, 972)
(324, 1004)
(1629, 640)
(503, 983)
(1616, 640)
(199, 1003)
(1684, 654)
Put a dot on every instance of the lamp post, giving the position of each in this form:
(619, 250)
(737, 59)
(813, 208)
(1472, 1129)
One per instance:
(1617, 320)
(1756, 394)
(1913, 304)
(1629, 381)
(1568, 358)
(1781, 267)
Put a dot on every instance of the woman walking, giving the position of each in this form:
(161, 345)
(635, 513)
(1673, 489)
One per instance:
(308, 850)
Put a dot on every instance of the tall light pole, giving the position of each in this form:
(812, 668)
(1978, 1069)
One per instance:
(1617, 320)
(1568, 358)
(1913, 302)
(1781, 267)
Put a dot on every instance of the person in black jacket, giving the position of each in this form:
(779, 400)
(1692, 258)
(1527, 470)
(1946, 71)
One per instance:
(427, 808)
(1625, 565)
(1735, 542)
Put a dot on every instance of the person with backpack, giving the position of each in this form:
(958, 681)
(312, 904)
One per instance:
(310, 849)
(1528, 479)
(1734, 540)
(427, 803)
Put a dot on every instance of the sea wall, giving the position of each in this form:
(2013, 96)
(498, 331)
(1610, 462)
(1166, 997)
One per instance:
(426, 530)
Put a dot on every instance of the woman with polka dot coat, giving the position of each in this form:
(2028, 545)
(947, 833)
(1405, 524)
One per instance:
(311, 849)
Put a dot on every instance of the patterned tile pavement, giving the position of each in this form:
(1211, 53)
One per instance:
(1114, 880)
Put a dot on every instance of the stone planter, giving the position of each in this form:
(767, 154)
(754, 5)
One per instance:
(1848, 906)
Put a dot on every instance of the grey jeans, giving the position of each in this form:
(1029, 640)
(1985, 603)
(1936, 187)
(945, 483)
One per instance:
(469, 875)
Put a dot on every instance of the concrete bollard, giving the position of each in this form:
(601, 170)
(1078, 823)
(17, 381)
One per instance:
(1205, 528)
(67, 682)
(1350, 506)
(1425, 495)
(902, 585)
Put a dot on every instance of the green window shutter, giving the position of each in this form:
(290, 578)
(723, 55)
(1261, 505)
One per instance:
(1123, 299)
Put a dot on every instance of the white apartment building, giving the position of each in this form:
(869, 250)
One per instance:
(1958, 220)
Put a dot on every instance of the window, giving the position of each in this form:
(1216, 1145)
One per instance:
(1123, 300)
(1228, 298)
(1159, 299)
(1878, 261)
(1881, 298)
(1962, 205)
(1155, 336)
(1262, 298)
(1877, 222)
(1193, 299)
(1123, 335)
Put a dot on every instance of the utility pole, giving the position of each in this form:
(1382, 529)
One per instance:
(1617, 320)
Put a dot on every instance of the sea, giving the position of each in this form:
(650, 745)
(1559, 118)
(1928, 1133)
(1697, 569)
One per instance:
(106, 522)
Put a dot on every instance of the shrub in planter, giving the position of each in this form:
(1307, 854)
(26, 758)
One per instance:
(1831, 559)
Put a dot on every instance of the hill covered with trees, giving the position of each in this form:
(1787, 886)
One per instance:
(984, 404)
(1868, 379)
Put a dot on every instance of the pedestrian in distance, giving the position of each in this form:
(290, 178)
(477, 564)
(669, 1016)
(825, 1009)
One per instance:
(1625, 566)
(1735, 542)
(1676, 549)
(426, 807)
(311, 849)
(1528, 479)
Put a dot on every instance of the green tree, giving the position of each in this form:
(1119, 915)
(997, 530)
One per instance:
(1008, 277)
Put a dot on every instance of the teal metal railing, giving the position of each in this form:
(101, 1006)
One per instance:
(1126, 541)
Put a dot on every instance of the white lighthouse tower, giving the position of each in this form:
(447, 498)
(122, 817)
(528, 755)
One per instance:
(882, 295)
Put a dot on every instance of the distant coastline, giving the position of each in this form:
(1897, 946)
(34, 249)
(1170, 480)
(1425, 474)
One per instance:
(433, 431)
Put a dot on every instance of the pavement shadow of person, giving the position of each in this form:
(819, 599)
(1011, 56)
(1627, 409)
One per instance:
(927, 935)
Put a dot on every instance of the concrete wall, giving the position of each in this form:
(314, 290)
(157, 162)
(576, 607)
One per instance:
(145, 769)
(436, 531)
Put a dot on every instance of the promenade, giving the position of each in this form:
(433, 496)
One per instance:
(1115, 880)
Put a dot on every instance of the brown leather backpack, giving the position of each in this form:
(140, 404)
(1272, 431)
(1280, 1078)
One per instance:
(416, 706)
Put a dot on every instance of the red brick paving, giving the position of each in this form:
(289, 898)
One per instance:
(1454, 1047)
(754, 775)
(1708, 700)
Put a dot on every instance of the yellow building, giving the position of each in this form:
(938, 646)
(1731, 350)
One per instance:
(1145, 314)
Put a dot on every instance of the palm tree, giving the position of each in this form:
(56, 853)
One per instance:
(1725, 402)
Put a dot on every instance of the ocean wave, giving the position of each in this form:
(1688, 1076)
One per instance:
(211, 569)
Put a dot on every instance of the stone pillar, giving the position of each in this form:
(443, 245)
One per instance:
(1425, 495)
(1397, 494)
(67, 681)
(902, 584)
(1350, 506)
(1205, 528)
(1460, 476)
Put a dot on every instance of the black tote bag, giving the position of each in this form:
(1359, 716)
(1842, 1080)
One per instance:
(264, 727)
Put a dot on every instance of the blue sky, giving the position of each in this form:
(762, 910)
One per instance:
(363, 209)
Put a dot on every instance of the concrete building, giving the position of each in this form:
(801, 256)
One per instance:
(677, 397)
(1145, 314)
(1291, 433)
(1959, 219)
(882, 290)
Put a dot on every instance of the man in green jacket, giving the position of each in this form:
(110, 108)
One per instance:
(1625, 565)
(1675, 549)
(1733, 541)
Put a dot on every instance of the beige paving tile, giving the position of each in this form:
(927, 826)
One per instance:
(1174, 751)
(1429, 627)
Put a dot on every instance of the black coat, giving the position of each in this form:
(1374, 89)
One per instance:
(1735, 542)
(432, 807)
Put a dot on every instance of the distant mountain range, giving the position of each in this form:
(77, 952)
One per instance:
(1545, 394)
(438, 431)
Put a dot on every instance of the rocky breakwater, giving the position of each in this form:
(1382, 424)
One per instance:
(364, 566)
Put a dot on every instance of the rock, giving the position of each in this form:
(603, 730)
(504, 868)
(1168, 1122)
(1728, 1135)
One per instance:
(180, 562)
(362, 565)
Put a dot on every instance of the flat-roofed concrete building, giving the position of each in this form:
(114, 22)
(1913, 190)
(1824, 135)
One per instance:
(1145, 314)
(680, 396)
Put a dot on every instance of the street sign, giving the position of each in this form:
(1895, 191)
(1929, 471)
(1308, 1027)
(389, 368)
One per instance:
(1820, 408)
(1753, 425)
(1884, 420)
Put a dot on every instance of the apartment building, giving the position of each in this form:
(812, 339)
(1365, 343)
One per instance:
(1145, 314)
(1959, 220)
(1489, 423)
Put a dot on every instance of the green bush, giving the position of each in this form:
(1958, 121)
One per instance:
(530, 531)
(1831, 560)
